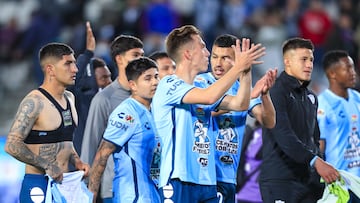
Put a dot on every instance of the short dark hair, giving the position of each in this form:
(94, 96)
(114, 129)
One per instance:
(332, 57)
(138, 66)
(55, 50)
(124, 43)
(97, 63)
(158, 55)
(225, 40)
(179, 37)
(297, 42)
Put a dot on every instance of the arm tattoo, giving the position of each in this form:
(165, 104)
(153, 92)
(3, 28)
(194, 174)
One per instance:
(25, 118)
(99, 164)
(27, 114)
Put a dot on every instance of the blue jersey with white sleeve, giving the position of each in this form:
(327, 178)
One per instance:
(187, 146)
(131, 128)
(339, 125)
(229, 130)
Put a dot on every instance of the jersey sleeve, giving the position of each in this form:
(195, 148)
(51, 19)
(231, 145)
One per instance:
(172, 90)
(121, 125)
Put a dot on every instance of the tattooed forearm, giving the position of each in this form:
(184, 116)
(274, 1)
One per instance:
(96, 173)
(27, 114)
(99, 164)
(18, 149)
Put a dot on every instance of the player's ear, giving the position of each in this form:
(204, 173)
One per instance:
(49, 69)
(119, 59)
(132, 85)
(286, 61)
(331, 73)
(187, 54)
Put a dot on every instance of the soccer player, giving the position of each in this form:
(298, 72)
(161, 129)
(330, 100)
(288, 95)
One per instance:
(130, 137)
(166, 65)
(42, 132)
(182, 114)
(338, 115)
(229, 126)
(292, 161)
(124, 48)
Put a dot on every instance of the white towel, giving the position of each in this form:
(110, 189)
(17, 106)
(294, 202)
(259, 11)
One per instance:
(71, 190)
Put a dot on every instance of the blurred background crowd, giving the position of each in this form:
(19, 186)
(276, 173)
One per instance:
(26, 25)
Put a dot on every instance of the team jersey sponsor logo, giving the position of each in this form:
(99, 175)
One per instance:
(127, 118)
(227, 138)
(312, 98)
(200, 112)
(353, 149)
(67, 118)
(320, 112)
(227, 159)
(200, 79)
(354, 164)
(118, 124)
(121, 115)
(291, 95)
(203, 161)
(341, 114)
(147, 125)
(155, 164)
(354, 118)
(202, 141)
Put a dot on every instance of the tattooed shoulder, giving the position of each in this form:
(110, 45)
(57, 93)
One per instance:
(27, 113)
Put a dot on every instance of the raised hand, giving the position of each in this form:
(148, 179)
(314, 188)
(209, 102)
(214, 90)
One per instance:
(263, 85)
(247, 55)
(90, 39)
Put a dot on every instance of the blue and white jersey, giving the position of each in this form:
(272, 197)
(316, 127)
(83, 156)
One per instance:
(131, 128)
(187, 147)
(229, 130)
(339, 125)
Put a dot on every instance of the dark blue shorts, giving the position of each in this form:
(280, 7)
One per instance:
(226, 192)
(33, 188)
(179, 192)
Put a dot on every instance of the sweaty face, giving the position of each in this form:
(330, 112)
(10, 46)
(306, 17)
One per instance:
(166, 66)
(345, 74)
(299, 63)
(219, 60)
(103, 77)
